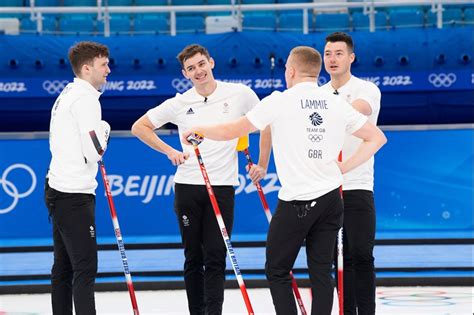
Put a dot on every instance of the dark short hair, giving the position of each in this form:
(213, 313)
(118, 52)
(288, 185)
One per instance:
(190, 51)
(84, 53)
(341, 37)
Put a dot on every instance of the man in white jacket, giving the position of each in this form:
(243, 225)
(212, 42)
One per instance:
(70, 182)
(308, 126)
(358, 186)
(206, 102)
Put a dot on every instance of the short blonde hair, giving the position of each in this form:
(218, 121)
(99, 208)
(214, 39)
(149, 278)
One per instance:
(307, 60)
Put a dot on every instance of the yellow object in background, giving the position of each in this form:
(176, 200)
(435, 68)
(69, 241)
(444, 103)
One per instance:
(243, 143)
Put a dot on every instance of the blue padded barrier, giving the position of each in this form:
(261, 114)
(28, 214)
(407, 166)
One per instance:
(429, 42)
(418, 87)
(417, 192)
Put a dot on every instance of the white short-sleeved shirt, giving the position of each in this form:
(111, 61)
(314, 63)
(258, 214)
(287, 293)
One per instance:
(228, 102)
(308, 127)
(361, 177)
(76, 112)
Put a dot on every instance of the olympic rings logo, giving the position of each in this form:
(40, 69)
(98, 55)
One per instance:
(10, 188)
(181, 85)
(315, 137)
(442, 79)
(55, 86)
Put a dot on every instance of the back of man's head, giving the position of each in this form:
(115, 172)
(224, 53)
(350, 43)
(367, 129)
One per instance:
(190, 51)
(341, 37)
(306, 60)
(84, 53)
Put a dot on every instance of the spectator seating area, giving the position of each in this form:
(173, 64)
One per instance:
(195, 22)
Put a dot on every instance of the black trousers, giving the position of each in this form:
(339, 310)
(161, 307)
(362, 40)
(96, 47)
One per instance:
(204, 248)
(358, 241)
(75, 251)
(317, 221)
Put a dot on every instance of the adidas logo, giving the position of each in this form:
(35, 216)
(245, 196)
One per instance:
(190, 111)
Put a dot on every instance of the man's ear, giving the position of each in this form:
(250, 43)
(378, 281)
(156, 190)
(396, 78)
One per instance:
(85, 69)
(292, 72)
(212, 62)
(352, 57)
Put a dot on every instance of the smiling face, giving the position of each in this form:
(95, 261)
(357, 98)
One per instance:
(338, 58)
(198, 69)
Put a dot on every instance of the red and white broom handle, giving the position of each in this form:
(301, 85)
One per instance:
(113, 213)
(268, 214)
(118, 236)
(340, 261)
(195, 139)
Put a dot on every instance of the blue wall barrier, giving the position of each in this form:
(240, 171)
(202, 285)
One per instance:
(424, 188)
(138, 85)
(152, 69)
(433, 84)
